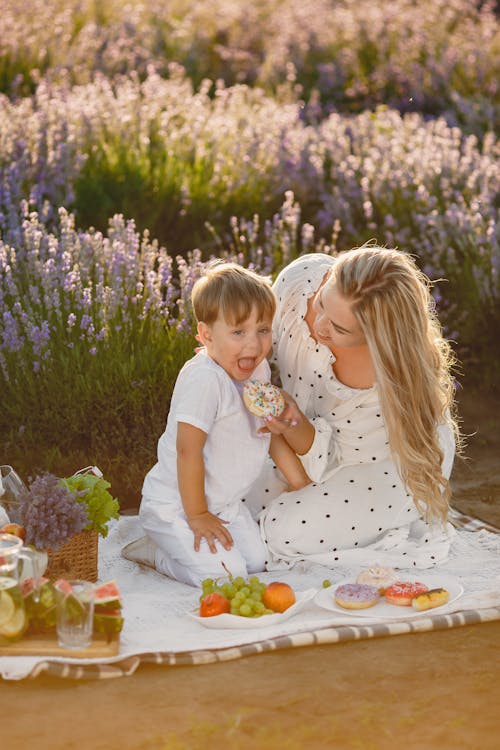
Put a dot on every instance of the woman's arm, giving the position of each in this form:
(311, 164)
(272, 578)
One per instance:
(293, 425)
(314, 441)
(191, 480)
(288, 463)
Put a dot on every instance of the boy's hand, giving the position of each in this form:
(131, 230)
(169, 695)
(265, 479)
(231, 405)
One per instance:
(206, 525)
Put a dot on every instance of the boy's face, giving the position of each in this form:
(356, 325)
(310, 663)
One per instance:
(238, 349)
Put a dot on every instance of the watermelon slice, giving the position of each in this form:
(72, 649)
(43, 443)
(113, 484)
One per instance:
(63, 585)
(109, 622)
(108, 595)
(108, 618)
(28, 585)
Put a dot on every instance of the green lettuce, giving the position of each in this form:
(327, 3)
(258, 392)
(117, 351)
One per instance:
(100, 504)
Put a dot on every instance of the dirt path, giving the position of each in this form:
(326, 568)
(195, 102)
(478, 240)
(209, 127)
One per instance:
(417, 692)
(476, 480)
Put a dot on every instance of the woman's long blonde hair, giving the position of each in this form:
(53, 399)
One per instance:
(392, 302)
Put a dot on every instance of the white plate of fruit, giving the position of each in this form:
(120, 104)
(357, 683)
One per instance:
(244, 604)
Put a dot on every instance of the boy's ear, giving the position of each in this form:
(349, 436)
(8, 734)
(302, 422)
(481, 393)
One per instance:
(204, 333)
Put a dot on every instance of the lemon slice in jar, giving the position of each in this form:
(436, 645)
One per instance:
(7, 607)
(14, 626)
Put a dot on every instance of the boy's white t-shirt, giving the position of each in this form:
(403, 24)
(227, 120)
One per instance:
(206, 397)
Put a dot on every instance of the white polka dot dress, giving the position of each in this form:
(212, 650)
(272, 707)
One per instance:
(357, 509)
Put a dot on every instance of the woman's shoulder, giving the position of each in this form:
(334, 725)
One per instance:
(305, 269)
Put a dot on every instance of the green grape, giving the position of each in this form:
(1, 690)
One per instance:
(259, 608)
(238, 582)
(230, 591)
(326, 583)
(245, 590)
(253, 581)
(269, 612)
(235, 610)
(245, 610)
(207, 583)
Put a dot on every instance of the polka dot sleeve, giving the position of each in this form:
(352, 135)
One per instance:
(324, 456)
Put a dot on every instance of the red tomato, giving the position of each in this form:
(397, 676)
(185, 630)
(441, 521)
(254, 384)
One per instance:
(214, 604)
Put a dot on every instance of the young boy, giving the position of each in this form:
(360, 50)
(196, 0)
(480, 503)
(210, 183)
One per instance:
(211, 452)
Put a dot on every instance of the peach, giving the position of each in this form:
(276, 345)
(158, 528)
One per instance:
(14, 528)
(278, 596)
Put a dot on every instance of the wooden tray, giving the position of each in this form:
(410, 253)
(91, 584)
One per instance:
(47, 645)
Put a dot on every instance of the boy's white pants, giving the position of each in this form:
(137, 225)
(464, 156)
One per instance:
(176, 557)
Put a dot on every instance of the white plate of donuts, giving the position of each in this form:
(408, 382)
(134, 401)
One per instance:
(404, 598)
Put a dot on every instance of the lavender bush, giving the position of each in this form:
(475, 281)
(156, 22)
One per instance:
(175, 159)
(422, 187)
(86, 319)
(435, 56)
(93, 331)
(169, 156)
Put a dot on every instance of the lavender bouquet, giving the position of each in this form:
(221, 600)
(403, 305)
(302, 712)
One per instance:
(51, 513)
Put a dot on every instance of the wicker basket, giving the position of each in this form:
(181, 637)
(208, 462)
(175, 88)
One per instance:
(77, 559)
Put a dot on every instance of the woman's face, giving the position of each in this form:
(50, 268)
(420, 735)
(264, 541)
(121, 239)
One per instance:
(335, 324)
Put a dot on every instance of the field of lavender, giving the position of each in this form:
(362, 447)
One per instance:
(137, 140)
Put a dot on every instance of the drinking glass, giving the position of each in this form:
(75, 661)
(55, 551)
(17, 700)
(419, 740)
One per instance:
(75, 614)
(12, 489)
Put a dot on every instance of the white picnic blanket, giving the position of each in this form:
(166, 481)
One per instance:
(155, 607)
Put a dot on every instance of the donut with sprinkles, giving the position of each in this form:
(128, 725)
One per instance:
(356, 595)
(263, 399)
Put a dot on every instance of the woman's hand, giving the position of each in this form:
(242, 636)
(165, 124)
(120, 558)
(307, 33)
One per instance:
(207, 526)
(289, 418)
(296, 429)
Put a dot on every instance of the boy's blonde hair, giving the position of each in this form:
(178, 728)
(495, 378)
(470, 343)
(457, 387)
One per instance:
(231, 291)
(392, 303)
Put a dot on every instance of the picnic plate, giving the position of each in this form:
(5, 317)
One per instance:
(385, 611)
(246, 623)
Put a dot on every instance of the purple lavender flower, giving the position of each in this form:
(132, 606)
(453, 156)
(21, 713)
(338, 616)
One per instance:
(51, 513)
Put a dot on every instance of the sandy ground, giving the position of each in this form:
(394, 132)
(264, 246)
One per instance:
(419, 691)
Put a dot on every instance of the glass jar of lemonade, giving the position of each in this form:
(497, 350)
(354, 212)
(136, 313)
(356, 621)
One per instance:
(13, 555)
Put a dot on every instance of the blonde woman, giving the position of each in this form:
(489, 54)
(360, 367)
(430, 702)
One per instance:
(367, 378)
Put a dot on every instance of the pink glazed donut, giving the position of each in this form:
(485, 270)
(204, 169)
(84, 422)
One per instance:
(263, 399)
(356, 596)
